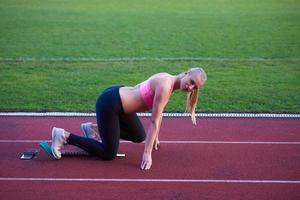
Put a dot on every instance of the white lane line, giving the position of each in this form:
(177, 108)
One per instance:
(212, 115)
(22, 141)
(151, 180)
(225, 142)
(178, 142)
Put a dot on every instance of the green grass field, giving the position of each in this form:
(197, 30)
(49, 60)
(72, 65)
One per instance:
(251, 51)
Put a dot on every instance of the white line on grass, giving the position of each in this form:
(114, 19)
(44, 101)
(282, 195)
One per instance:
(138, 59)
(151, 180)
(222, 115)
(178, 142)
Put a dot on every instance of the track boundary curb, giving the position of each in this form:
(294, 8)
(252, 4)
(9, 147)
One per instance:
(213, 115)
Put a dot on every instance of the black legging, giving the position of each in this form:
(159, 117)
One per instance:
(113, 124)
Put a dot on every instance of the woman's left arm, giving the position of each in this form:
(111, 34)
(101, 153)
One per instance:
(160, 100)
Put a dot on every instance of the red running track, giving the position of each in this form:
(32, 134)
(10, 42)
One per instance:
(220, 158)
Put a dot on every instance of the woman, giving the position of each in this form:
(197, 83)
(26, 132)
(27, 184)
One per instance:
(116, 115)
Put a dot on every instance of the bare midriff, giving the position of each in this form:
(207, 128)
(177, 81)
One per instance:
(132, 100)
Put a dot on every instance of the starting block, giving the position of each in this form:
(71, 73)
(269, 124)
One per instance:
(29, 154)
(67, 152)
(45, 146)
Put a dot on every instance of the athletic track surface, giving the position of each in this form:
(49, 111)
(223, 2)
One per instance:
(220, 158)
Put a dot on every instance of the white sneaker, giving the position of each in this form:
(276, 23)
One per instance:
(89, 132)
(58, 140)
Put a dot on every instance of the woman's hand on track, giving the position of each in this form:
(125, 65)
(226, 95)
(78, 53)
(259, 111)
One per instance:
(156, 144)
(146, 162)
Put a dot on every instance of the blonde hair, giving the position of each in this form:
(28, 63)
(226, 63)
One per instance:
(192, 97)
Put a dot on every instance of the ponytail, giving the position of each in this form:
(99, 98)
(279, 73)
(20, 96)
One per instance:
(192, 97)
(191, 103)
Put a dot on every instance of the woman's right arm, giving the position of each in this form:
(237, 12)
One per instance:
(160, 100)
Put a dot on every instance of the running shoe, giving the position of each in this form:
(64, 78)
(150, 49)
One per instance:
(58, 140)
(89, 132)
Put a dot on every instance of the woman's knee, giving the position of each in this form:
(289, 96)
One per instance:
(109, 155)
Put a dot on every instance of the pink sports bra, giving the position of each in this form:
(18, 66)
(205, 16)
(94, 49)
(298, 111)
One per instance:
(147, 93)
